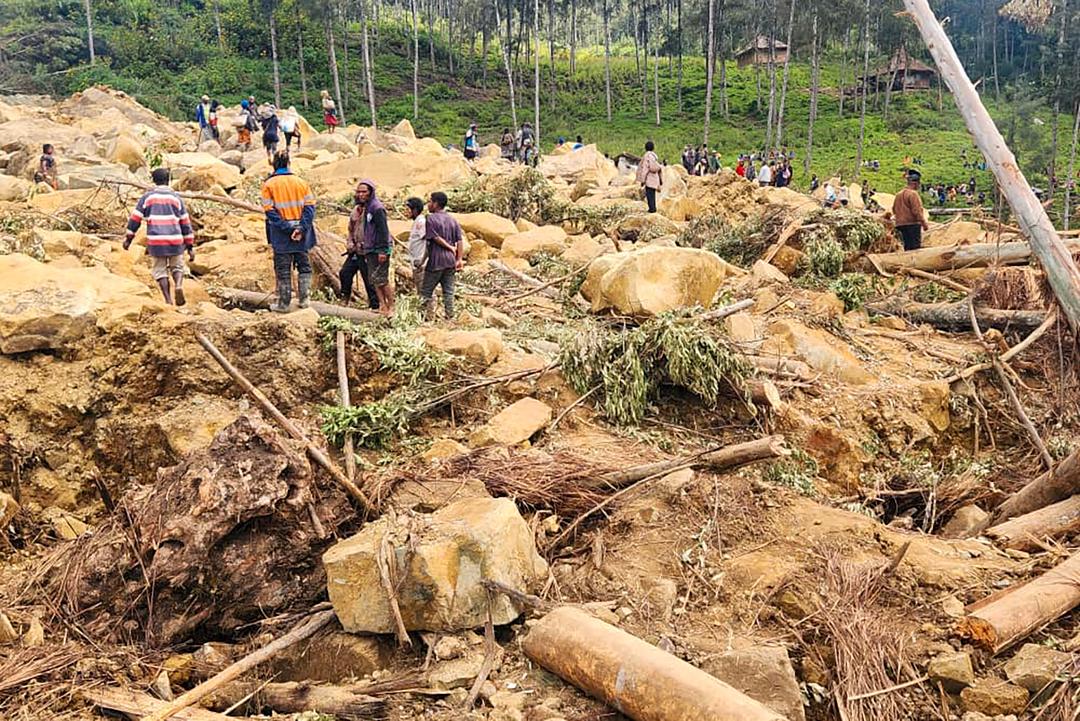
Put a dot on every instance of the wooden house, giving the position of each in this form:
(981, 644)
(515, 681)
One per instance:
(757, 52)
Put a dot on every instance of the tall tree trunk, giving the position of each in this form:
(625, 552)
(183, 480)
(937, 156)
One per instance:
(345, 54)
(645, 56)
(300, 55)
(815, 80)
(1057, 97)
(450, 38)
(574, 38)
(274, 57)
(722, 56)
(333, 66)
(607, 58)
(416, 59)
(536, 72)
(506, 63)
(90, 30)
(217, 24)
(771, 123)
(865, 91)
(997, 80)
(431, 33)
(710, 61)
(656, 80)
(1072, 167)
(843, 68)
(783, 90)
(484, 41)
(678, 35)
(367, 63)
(551, 49)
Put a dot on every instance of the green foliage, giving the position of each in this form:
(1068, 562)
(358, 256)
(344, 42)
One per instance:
(854, 289)
(824, 256)
(739, 244)
(798, 472)
(628, 366)
(398, 349)
(931, 292)
(373, 425)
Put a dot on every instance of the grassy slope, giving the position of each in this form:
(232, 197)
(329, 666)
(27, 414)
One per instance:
(447, 104)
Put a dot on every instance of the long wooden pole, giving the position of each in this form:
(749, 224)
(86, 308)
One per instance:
(291, 428)
(346, 401)
(304, 631)
(1060, 268)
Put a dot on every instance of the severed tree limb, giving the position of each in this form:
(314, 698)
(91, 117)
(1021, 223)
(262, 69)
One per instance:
(137, 705)
(291, 428)
(956, 257)
(939, 279)
(1027, 532)
(386, 574)
(1000, 620)
(1054, 254)
(255, 299)
(346, 402)
(534, 283)
(1053, 486)
(224, 199)
(1051, 319)
(305, 630)
(721, 313)
(490, 650)
(954, 316)
(1014, 400)
(342, 702)
(544, 286)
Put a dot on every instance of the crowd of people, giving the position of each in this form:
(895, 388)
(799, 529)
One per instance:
(435, 244)
(251, 118)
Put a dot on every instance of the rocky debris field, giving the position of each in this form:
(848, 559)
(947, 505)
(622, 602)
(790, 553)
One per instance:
(741, 459)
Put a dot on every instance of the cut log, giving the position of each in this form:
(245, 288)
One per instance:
(999, 621)
(343, 702)
(136, 705)
(956, 257)
(717, 461)
(632, 676)
(305, 630)
(954, 317)
(254, 299)
(1054, 255)
(1053, 486)
(1026, 532)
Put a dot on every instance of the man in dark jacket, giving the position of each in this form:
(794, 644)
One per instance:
(368, 250)
(290, 230)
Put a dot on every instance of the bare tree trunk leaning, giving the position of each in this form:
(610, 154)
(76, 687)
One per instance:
(90, 30)
(536, 74)
(656, 81)
(783, 89)
(334, 66)
(1072, 167)
(1060, 268)
(509, 70)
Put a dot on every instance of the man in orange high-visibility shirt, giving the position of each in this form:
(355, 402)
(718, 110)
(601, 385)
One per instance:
(290, 230)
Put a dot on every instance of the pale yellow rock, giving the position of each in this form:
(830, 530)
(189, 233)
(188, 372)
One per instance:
(192, 425)
(8, 508)
(740, 328)
(546, 239)
(46, 307)
(205, 177)
(56, 243)
(479, 251)
(404, 129)
(583, 249)
(827, 305)
(496, 318)
(958, 232)
(35, 634)
(590, 289)
(583, 163)
(492, 229)
(514, 424)
(8, 634)
(66, 526)
(444, 448)
(819, 350)
(12, 188)
(764, 273)
(524, 225)
(392, 173)
(658, 279)
(332, 143)
(449, 553)
(481, 346)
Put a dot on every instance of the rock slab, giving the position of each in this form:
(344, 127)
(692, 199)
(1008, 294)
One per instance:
(763, 673)
(440, 560)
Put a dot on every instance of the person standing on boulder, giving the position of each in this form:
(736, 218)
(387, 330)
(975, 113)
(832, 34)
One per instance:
(506, 145)
(289, 205)
(444, 256)
(168, 234)
(649, 175)
(368, 250)
(271, 132)
(46, 172)
(330, 116)
(470, 142)
(290, 125)
(908, 213)
(202, 114)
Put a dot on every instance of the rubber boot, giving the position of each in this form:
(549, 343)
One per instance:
(178, 289)
(163, 283)
(284, 294)
(305, 290)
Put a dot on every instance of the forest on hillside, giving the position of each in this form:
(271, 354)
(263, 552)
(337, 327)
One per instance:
(615, 71)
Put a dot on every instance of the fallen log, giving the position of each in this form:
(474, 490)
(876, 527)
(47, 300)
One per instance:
(724, 459)
(1055, 485)
(1002, 619)
(255, 299)
(137, 705)
(343, 702)
(956, 257)
(291, 428)
(1054, 254)
(632, 676)
(954, 317)
(346, 401)
(305, 630)
(224, 199)
(1027, 532)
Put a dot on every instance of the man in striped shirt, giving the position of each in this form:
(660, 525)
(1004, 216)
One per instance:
(289, 205)
(168, 234)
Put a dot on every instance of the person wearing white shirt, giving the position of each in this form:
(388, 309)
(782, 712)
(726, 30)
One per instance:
(418, 246)
(765, 176)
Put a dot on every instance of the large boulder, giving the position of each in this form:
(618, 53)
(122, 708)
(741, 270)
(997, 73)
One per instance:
(440, 560)
(404, 129)
(514, 424)
(331, 142)
(585, 163)
(820, 351)
(14, 189)
(393, 173)
(201, 171)
(959, 232)
(127, 151)
(1037, 668)
(656, 279)
(645, 226)
(545, 239)
(43, 306)
(481, 346)
(492, 229)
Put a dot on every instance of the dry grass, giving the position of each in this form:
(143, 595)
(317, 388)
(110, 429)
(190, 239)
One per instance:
(1013, 288)
(866, 642)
